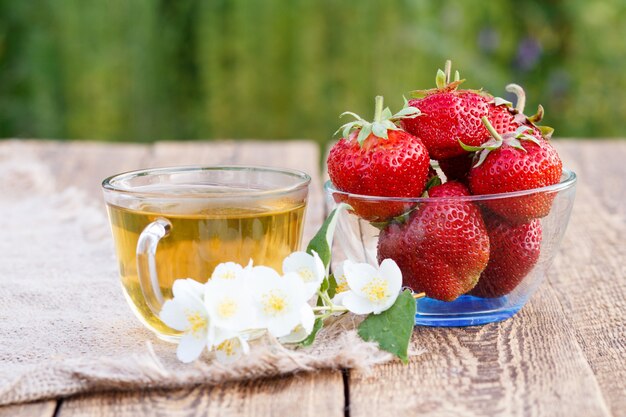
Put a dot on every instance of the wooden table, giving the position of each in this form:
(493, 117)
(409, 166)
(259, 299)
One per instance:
(563, 354)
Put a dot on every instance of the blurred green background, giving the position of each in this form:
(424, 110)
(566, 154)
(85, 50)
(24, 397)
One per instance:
(145, 70)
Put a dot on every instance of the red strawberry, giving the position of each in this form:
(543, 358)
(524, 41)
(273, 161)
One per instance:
(457, 168)
(507, 119)
(379, 159)
(517, 161)
(514, 250)
(449, 115)
(443, 246)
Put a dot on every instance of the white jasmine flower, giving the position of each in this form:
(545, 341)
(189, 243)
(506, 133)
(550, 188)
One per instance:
(187, 313)
(371, 290)
(340, 279)
(309, 268)
(229, 304)
(277, 301)
(230, 271)
(230, 350)
(303, 329)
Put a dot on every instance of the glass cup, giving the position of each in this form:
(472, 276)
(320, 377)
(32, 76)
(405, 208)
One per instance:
(181, 222)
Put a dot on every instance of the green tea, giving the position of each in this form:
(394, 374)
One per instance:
(199, 240)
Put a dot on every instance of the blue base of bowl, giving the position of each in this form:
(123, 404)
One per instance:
(466, 310)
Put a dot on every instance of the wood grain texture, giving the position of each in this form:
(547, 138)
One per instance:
(38, 409)
(291, 396)
(589, 273)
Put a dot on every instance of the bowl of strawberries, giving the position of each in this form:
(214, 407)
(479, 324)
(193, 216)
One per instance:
(462, 190)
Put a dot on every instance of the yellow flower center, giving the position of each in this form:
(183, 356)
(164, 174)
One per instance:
(306, 274)
(274, 302)
(228, 347)
(197, 322)
(376, 290)
(228, 275)
(342, 284)
(227, 308)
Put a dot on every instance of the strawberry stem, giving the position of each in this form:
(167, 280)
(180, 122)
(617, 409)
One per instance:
(378, 110)
(520, 94)
(447, 69)
(491, 129)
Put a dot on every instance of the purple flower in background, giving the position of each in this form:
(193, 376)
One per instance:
(528, 54)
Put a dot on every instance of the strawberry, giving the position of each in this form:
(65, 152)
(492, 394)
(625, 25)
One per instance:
(514, 250)
(507, 119)
(442, 247)
(378, 159)
(449, 115)
(457, 168)
(522, 160)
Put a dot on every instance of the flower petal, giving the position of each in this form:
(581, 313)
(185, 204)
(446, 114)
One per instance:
(303, 329)
(390, 271)
(229, 304)
(310, 269)
(357, 304)
(227, 271)
(232, 349)
(358, 275)
(190, 347)
(173, 315)
(188, 293)
(283, 325)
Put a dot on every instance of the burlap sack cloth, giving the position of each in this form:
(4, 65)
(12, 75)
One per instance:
(65, 327)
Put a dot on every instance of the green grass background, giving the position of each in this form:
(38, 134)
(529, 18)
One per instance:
(145, 70)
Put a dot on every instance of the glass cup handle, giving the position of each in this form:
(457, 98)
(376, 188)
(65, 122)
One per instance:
(146, 262)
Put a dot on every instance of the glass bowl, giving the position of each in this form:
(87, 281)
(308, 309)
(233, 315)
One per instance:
(512, 274)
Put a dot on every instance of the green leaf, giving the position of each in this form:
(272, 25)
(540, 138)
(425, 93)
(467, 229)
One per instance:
(322, 242)
(317, 326)
(386, 114)
(332, 285)
(392, 328)
(389, 125)
(469, 148)
(378, 129)
(366, 130)
(481, 157)
(499, 101)
(349, 113)
(546, 131)
(536, 118)
(407, 113)
(440, 79)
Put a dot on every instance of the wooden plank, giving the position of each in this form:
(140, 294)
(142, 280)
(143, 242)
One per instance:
(589, 272)
(530, 365)
(80, 164)
(288, 396)
(300, 395)
(38, 409)
(524, 366)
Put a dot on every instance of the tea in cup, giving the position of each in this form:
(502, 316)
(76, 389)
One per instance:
(181, 222)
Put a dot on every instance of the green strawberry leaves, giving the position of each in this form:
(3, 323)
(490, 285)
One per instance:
(384, 120)
(392, 329)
